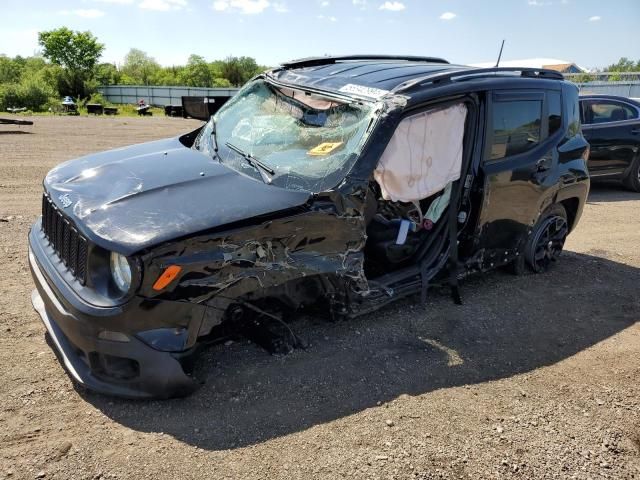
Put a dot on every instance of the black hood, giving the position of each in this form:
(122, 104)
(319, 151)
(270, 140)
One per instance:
(136, 197)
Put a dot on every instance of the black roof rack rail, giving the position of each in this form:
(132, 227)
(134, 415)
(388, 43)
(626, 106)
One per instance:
(467, 73)
(328, 60)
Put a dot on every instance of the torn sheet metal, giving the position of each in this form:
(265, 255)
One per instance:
(219, 269)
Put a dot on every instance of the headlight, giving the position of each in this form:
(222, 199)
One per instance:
(120, 271)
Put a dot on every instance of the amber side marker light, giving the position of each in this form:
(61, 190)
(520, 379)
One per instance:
(167, 277)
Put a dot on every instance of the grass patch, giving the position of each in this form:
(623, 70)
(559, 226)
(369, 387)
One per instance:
(123, 111)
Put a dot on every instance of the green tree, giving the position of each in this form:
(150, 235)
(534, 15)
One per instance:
(139, 67)
(624, 65)
(582, 78)
(33, 65)
(196, 73)
(168, 76)
(10, 70)
(107, 74)
(76, 52)
(216, 68)
(238, 70)
(221, 83)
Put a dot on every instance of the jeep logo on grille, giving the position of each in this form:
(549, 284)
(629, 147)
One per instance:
(65, 200)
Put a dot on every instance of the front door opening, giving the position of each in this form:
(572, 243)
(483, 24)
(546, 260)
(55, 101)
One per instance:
(411, 187)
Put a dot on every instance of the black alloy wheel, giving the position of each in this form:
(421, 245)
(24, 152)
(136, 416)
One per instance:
(547, 239)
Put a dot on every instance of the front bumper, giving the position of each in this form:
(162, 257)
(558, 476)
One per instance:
(126, 367)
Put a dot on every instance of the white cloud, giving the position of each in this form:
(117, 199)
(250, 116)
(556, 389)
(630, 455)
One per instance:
(89, 13)
(392, 6)
(163, 5)
(448, 16)
(220, 5)
(84, 13)
(362, 4)
(538, 3)
(595, 18)
(247, 7)
(118, 2)
(325, 3)
(280, 7)
(329, 18)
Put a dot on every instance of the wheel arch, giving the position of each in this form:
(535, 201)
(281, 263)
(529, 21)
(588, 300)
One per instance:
(573, 198)
(571, 206)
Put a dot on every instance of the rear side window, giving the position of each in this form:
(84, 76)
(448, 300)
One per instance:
(605, 111)
(516, 127)
(554, 107)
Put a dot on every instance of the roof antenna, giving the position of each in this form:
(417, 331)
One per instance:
(500, 54)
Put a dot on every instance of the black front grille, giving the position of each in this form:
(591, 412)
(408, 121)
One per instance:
(65, 239)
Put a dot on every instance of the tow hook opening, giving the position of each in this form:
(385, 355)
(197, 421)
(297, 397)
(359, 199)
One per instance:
(113, 367)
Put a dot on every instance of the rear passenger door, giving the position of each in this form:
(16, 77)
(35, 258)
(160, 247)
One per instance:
(612, 128)
(519, 165)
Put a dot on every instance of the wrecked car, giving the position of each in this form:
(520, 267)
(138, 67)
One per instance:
(336, 183)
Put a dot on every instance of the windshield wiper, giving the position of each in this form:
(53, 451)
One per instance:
(214, 138)
(254, 162)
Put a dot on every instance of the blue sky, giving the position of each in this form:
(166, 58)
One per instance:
(591, 33)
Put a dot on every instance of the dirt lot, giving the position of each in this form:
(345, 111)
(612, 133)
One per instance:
(533, 377)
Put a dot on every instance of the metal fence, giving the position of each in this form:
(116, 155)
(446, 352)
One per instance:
(603, 76)
(160, 96)
(625, 88)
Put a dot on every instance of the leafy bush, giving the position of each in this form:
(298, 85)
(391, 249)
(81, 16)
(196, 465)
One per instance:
(53, 105)
(35, 94)
(31, 93)
(95, 98)
(10, 70)
(8, 96)
(221, 83)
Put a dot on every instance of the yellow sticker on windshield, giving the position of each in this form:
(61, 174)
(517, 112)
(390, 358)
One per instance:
(324, 148)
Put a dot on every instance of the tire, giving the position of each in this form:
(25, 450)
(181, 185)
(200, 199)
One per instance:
(632, 180)
(547, 238)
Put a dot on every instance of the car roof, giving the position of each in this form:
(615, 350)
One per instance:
(378, 73)
(385, 73)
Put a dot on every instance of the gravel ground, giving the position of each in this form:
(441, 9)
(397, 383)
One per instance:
(533, 377)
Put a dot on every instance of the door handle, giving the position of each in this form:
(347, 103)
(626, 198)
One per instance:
(635, 131)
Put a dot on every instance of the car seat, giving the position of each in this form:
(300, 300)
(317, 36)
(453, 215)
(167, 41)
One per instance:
(618, 115)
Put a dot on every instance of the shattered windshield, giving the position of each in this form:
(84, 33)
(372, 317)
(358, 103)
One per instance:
(286, 137)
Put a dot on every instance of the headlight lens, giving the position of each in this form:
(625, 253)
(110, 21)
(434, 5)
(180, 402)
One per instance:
(121, 271)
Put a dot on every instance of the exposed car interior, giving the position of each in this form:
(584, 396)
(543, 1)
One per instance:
(395, 230)
(412, 186)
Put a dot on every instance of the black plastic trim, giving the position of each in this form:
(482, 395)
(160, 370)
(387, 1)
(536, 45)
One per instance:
(161, 374)
(328, 60)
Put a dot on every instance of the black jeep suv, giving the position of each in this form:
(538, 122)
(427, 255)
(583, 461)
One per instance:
(339, 183)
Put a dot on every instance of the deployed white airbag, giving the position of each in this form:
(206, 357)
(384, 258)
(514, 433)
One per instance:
(423, 156)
